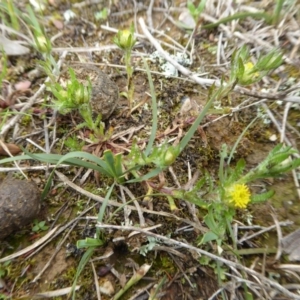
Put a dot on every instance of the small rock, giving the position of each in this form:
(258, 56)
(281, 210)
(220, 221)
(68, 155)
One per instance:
(19, 204)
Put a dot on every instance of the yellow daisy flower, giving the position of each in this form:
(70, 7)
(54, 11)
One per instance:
(239, 195)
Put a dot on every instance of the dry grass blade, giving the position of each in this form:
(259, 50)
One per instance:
(56, 293)
(31, 247)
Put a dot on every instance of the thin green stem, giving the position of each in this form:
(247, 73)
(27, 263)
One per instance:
(242, 15)
(277, 12)
(154, 111)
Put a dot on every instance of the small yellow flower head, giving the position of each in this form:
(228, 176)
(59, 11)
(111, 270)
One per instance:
(248, 66)
(239, 195)
(41, 43)
(249, 75)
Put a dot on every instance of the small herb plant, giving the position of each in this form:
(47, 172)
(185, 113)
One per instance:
(102, 14)
(280, 8)
(194, 11)
(76, 96)
(5, 268)
(39, 226)
(245, 72)
(125, 40)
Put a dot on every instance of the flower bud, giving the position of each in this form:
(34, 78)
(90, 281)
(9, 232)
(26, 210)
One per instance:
(171, 155)
(41, 43)
(249, 75)
(125, 39)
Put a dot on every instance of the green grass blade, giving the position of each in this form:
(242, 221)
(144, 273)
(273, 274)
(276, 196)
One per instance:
(197, 122)
(154, 111)
(102, 209)
(84, 260)
(147, 176)
(240, 16)
(277, 11)
(110, 161)
(239, 139)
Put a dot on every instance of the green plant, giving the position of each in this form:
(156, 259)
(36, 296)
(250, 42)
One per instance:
(162, 156)
(196, 11)
(5, 269)
(102, 15)
(41, 42)
(3, 66)
(76, 96)
(221, 199)
(272, 18)
(125, 40)
(73, 144)
(91, 244)
(73, 96)
(10, 14)
(39, 226)
(245, 72)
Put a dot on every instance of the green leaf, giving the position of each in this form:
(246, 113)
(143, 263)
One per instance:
(210, 221)
(154, 111)
(258, 198)
(110, 161)
(208, 237)
(248, 296)
(84, 260)
(102, 209)
(118, 164)
(35, 228)
(240, 16)
(149, 175)
(89, 242)
(190, 133)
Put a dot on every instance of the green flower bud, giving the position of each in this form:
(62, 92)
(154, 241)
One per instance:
(125, 39)
(63, 94)
(171, 155)
(81, 95)
(249, 75)
(42, 44)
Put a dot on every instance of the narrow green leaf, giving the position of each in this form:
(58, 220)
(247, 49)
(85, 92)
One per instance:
(149, 175)
(110, 162)
(262, 197)
(208, 237)
(84, 260)
(154, 111)
(89, 242)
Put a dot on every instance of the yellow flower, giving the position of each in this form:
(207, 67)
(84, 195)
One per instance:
(239, 195)
(248, 66)
(249, 75)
